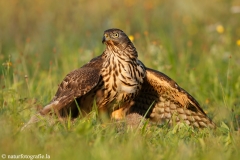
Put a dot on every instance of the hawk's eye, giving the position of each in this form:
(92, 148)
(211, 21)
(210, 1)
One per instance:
(115, 35)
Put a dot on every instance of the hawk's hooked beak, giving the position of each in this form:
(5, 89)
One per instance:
(105, 38)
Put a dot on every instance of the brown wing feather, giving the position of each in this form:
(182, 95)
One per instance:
(76, 84)
(169, 102)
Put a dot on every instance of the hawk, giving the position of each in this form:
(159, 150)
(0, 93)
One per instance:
(121, 85)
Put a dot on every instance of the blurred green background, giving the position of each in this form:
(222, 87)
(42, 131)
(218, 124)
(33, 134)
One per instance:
(196, 43)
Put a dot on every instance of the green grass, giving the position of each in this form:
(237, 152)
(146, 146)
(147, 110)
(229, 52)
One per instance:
(195, 43)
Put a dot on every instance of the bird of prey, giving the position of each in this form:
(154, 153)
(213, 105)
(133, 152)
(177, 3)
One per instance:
(121, 85)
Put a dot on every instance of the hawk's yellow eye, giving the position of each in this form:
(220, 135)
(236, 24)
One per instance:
(115, 35)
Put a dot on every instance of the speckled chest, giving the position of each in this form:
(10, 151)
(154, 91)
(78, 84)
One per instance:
(122, 79)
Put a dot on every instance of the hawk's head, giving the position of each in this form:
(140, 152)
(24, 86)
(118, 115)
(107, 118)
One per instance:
(116, 37)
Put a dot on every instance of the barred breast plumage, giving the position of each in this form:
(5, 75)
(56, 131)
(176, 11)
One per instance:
(122, 73)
